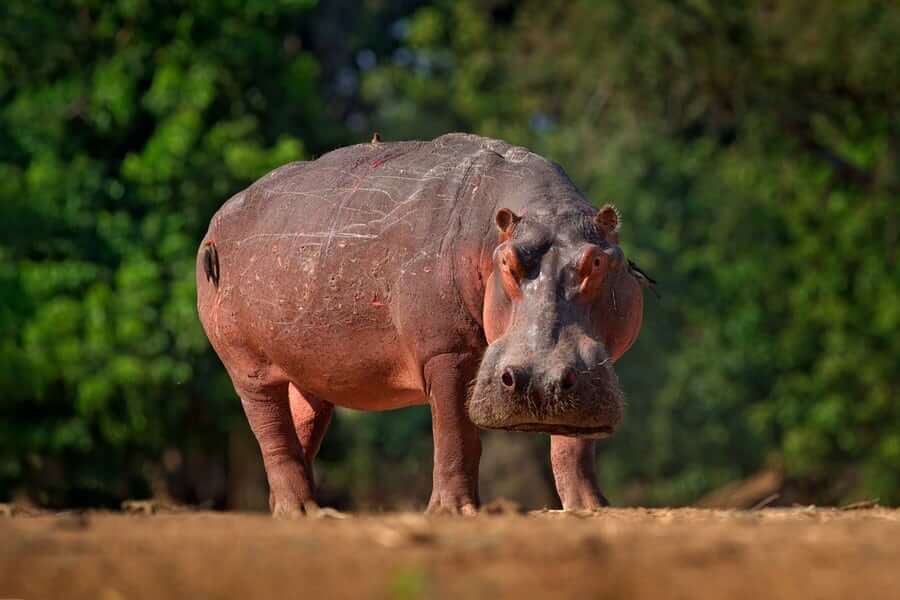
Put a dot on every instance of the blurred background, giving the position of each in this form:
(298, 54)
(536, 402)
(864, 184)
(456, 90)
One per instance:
(752, 148)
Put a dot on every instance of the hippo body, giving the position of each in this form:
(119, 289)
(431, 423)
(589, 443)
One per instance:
(375, 278)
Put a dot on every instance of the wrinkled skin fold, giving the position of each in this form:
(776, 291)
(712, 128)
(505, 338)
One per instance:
(462, 272)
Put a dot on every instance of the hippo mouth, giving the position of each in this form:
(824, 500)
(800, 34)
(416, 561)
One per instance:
(601, 431)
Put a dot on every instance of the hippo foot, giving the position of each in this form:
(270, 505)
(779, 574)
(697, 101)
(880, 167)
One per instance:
(580, 493)
(307, 508)
(451, 504)
(583, 499)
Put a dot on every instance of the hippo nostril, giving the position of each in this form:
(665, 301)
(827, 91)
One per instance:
(568, 380)
(514, 379)
(508, 378)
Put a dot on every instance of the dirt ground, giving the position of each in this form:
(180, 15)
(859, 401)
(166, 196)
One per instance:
(614, 553)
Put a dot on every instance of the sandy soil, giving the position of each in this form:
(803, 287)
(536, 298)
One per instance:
(615, 553)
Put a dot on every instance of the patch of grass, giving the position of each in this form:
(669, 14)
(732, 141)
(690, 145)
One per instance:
(408, 583)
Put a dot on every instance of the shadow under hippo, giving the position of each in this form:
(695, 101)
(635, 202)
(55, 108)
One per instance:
(463, 272)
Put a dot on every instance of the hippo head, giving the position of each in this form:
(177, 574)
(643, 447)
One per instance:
(561, 306)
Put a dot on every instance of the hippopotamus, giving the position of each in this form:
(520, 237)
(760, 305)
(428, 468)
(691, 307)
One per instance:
(463, 273)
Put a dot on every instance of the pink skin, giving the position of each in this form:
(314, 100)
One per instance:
(366, 280)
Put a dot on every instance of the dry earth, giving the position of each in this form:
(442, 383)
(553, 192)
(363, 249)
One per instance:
(614, 553)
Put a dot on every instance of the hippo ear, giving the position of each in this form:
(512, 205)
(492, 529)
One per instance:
(608, 219)
(506, 221)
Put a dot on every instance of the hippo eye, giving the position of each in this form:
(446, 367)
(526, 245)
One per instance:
(589, 270)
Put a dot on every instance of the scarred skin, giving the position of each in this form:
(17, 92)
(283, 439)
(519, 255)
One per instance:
(462, 272)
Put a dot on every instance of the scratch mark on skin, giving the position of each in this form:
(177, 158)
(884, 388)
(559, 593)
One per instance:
(323, 251)
(416, 256)
(263, 301)
(423, 178)
(321, 194)
(399, 205)
(318, 234)
(402, 219)
(365, 210)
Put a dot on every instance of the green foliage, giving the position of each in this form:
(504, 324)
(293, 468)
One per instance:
(123, 126)
(372, 460)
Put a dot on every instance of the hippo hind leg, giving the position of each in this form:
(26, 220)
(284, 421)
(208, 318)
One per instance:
(268, 411)
(311, 417)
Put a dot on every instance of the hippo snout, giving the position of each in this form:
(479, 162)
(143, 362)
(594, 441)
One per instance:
(545, 396)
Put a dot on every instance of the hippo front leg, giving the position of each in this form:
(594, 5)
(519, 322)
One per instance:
(457, 443)
(574, 473)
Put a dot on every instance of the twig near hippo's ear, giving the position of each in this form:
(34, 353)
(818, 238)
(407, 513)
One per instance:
(643, 279)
